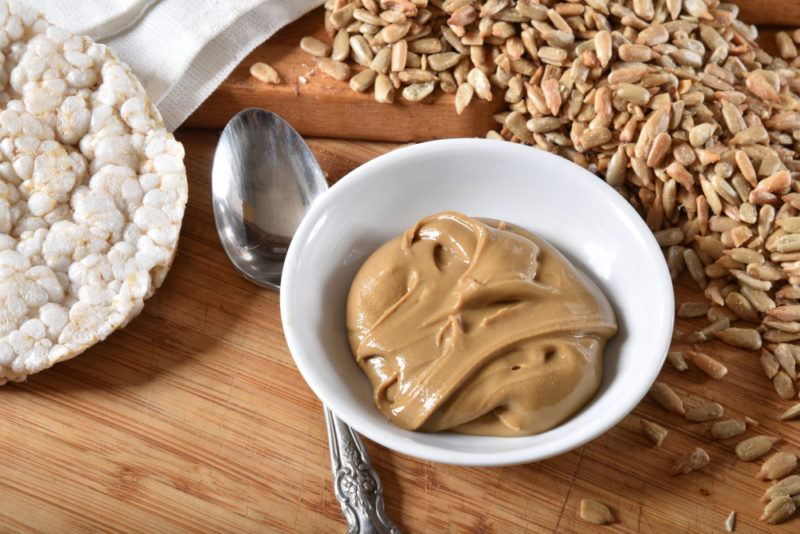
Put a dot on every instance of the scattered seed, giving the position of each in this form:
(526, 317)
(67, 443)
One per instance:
(688, 310)
(728, 429)
(708, 365)
(755, 447)
(677, 360)
(778, 510)
(785, 487)
(595, 512)
(692, 461)
(666, 397)
(654, 432)
(315, 47)
(791, 413)
(705, 412)
(784, 385)
(746, 338)
(777, 466)
(335, 69)
(264, 73)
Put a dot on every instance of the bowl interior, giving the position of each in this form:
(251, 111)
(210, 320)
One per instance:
(577, 212)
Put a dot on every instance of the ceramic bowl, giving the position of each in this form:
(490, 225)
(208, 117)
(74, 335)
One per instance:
(576, 211)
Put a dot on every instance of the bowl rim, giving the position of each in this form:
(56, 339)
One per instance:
(595, 185)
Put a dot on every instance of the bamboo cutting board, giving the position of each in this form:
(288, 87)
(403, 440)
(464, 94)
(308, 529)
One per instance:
(194, 418)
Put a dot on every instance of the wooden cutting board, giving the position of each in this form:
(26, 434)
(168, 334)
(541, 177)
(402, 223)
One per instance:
(194, 418)
(323, 107)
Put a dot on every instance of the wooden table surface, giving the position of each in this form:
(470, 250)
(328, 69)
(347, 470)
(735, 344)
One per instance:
(194, 418)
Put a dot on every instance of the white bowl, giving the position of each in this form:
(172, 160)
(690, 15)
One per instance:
(574, 210)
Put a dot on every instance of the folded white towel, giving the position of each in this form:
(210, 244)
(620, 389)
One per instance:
(181, 50)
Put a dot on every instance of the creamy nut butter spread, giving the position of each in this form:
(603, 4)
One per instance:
(478, 327)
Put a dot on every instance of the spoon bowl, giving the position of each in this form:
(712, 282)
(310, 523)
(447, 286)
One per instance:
(264, 180)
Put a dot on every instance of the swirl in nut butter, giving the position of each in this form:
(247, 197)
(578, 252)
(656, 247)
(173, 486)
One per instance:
(478, 327)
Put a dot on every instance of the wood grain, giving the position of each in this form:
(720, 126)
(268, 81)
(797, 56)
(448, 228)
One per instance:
(324, 107)
(194, 419)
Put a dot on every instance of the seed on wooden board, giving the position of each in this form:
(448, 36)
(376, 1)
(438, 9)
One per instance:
(708, 365)
(677, 360)
(264, 73)
(706, 333)
(784, 385)
(399, 55)
(695, 267)
(705, 412)
(515, 122)
(463, 97)
(742, 307)
(688, 310)
(755, 447)
(595, 512)
(478, 80)
(785, 356)
(728, 429)
(418, 91)
(444, 60)
(778, 510)
(384, 90)
(746, 338)
(363, 80)
(675, 260)
(786, 47)
(777, 466)
(692, 461)
(786, 487)
(341, 46)
(315, 47)
(654, 432)
(335, 69)
(382, 61)
(666, 397)
(769, 364)
(791, 413)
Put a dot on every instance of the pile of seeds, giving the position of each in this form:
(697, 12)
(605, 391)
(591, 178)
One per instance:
(674, 104)
(671, 101)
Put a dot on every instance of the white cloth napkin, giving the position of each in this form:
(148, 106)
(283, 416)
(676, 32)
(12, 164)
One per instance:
(181, 50)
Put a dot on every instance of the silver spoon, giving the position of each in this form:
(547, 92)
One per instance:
(263, 181)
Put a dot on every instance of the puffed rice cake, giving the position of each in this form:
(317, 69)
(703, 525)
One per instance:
(92, 193)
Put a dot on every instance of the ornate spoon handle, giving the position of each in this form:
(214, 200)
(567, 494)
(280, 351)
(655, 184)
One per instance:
(355, 483)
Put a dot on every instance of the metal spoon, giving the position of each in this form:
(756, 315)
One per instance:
(263, 181)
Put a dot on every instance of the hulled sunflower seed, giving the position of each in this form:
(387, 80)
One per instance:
(708, 365)
(688, 310)
(666, 397)
(595, 512)
(677, 360)
(769, 364)
(363, 80)
(791, 413)
(264, 73)
(755, 447)
(786, 487)
(654, 432)
(779, 465)
(746, 338)
(778, 510)
(692, 461)
(335, 69)
(728, 429)
(784, 385)
(478, 80)
(384, 90)
(705, 412)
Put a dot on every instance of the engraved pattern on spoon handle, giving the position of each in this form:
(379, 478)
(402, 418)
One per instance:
(356, 485)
